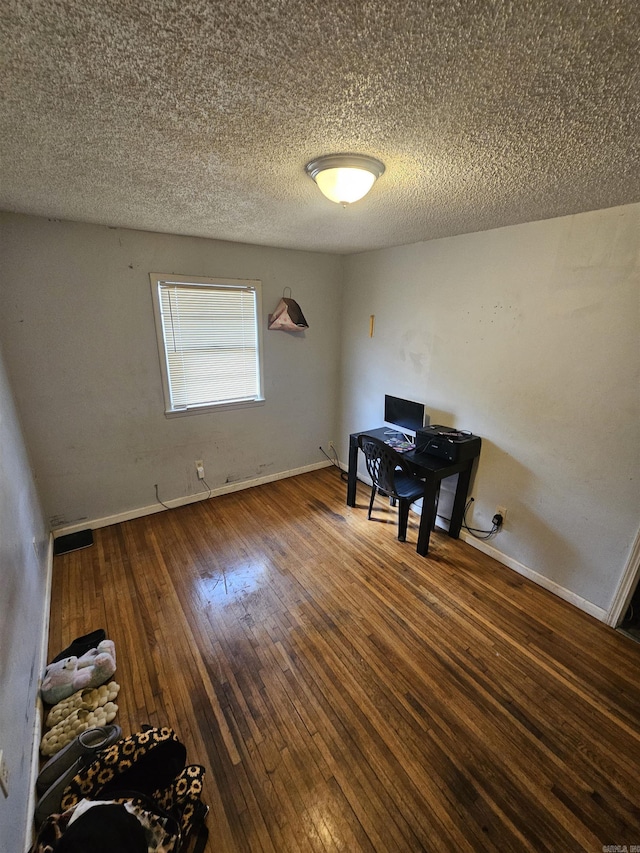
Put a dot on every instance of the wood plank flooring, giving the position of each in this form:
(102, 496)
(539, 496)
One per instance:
(346, 694)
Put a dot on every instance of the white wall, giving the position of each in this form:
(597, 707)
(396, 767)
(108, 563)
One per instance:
(24, 558)
(78, 329)
(529, 337)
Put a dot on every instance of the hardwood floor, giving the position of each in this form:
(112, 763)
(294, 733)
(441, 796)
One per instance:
(346, 694)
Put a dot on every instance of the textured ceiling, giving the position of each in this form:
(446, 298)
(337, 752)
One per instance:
(199, 117)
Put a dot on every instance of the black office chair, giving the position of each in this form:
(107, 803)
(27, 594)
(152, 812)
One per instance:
(391, 475)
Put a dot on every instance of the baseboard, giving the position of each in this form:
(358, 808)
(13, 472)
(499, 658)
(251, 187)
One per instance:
(566, 594)
(228, 488)
(39, 716)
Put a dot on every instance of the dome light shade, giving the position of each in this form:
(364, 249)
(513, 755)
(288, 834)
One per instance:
(345, 178)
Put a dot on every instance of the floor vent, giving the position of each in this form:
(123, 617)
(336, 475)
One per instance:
(72, 542)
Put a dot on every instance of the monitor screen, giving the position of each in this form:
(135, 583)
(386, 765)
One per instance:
(408, 415)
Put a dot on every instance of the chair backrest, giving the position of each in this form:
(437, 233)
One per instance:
(382, 462)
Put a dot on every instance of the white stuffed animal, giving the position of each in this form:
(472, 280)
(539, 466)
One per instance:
(67, 676)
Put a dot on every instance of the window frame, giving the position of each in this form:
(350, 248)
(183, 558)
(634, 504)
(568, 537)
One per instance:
(159, 279)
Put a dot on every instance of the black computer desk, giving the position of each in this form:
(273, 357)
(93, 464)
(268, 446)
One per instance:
(433, 470)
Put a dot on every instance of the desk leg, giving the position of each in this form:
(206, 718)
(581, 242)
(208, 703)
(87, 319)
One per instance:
(428, 516)
(352, 473)
(460, 500)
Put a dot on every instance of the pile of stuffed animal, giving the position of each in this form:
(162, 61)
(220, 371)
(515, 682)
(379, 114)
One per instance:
(77, 683)
(98, 791)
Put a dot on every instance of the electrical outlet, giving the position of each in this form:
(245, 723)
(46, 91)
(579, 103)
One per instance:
(4, 775)
(200, 469)
(502, 512)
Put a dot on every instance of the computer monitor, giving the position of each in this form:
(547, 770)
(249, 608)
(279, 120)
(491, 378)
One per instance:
(406, 415)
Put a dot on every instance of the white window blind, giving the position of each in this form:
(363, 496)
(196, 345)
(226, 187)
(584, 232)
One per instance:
(211, 342)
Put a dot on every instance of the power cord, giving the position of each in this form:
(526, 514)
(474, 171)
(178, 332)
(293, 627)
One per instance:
(496, 524)
(166, 506)
(424, 448)
(158, 498)
(335, 461)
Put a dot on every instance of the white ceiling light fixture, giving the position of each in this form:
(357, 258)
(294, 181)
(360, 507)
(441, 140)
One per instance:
(345, 178)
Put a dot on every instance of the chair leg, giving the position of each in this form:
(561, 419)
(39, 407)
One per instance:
(403, 518)
(373, 494)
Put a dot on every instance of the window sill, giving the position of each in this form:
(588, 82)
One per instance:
(214, 407)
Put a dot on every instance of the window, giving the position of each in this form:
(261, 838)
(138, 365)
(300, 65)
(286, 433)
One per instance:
(209, 341)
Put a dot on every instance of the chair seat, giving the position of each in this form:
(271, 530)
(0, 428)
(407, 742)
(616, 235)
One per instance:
(407, 487)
